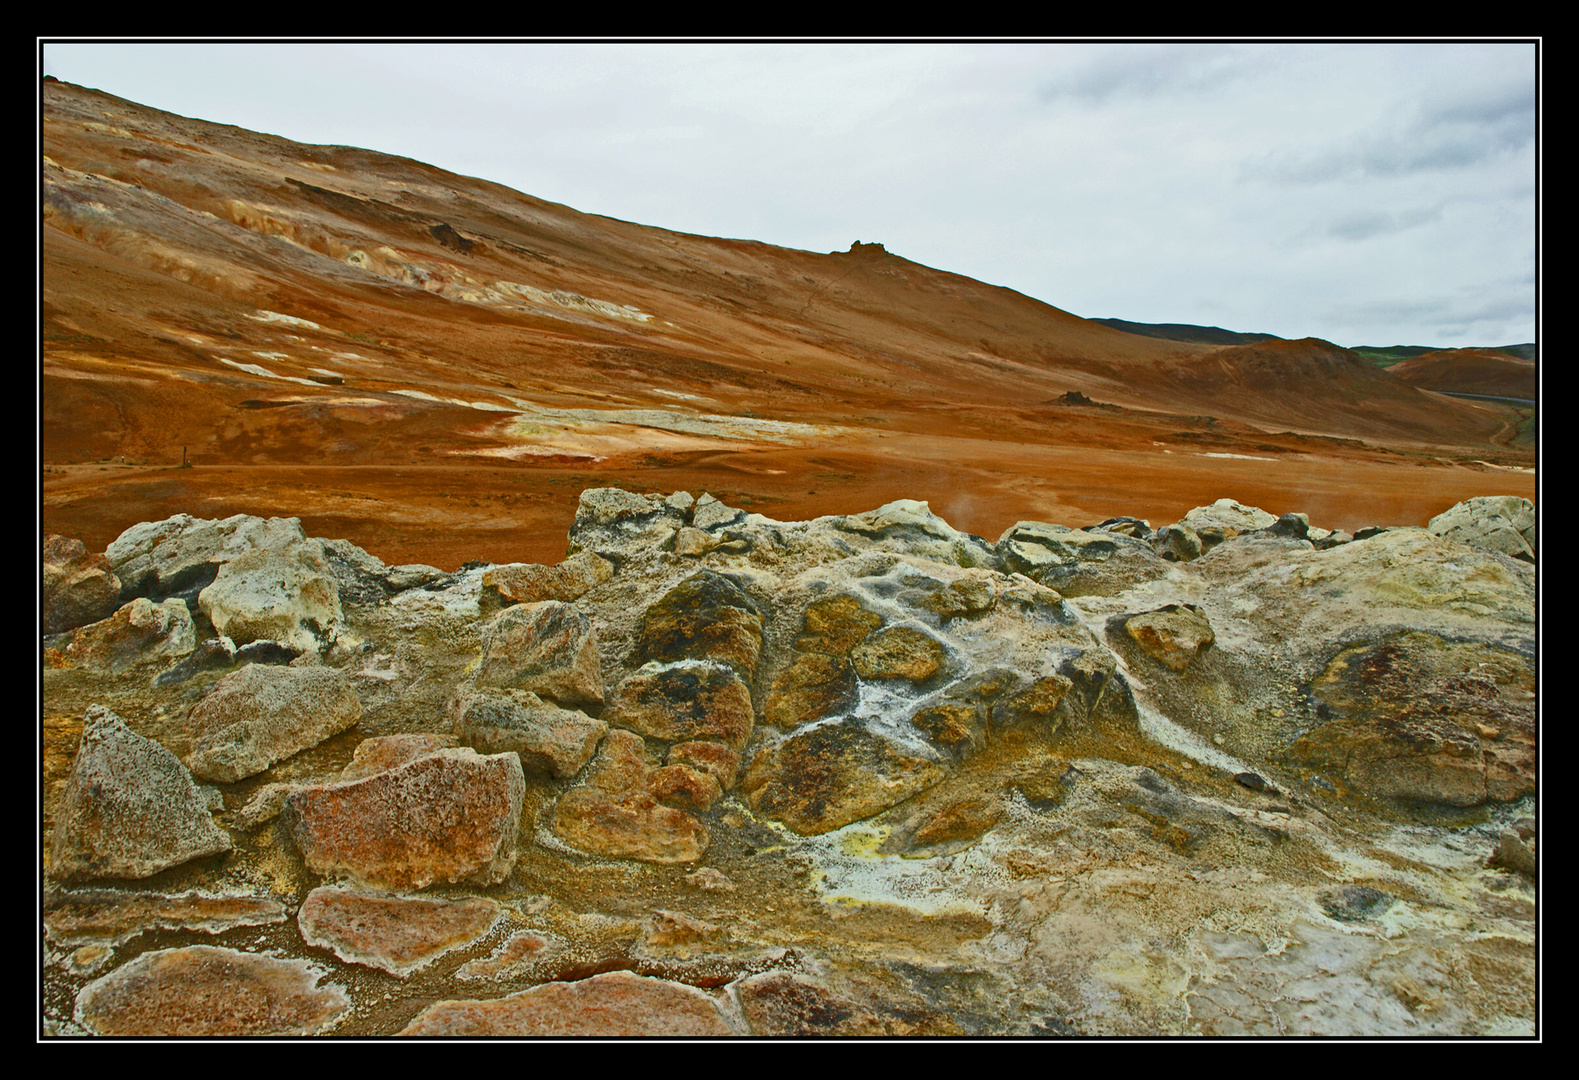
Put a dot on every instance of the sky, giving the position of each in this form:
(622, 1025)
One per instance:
(1371, 193)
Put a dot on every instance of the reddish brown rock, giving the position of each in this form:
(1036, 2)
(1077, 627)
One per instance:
(519, 953)
(78, 587)
(779, 1003)
(112, 916)
(531, 583)
(684, 787)
(616, 1005)
(898, 652)
(452, 815)
(384, 752)
(617, 814)
(397, 934)
(684, 702)
(710, 757)
(263, 714)
(130, 808)
(203, 991)
(548, 648)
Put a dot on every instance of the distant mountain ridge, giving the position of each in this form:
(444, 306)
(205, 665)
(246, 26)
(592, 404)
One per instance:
(1382, 355)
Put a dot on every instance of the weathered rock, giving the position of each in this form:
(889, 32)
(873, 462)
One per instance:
(721, 761)
(531, 583)
(287, 595)
(157, 558)
(114, 916)
(140, 632)
(616, 1005)
(617, 815)
(810, 687)
(261, 715)
(514, 958)
(452, 815)
(609, 520)
(1175, 634)
(548, 648)
(683, 702)
(209, 655)
(206, 991)
(1513, 854)
(704, 617)
(1076, 562)
(911, 526)
(709, 514)
(780, 1003)
(397, 934)
(548, 738)
(1037, 701)
(831, 775)
(1504, 523)
(898, 652)
(1178, 543)
(1228, 518)
(130, 808)
(78, 588)
(1404, 717)
(384, 752)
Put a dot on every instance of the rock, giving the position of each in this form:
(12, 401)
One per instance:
(548, 648)
(685, 701)
(114, 916)
(530, 583)
(1178, 543)
(385, 752)
(1504, 523)
(1075, 562)
(831, 775)
(780, 1003)
(77, 588)
(898, 652)
(1402, 718)
(710, 879)
(452, 815)
(139, 633)
(945, 830)
(704, 617)
(548, 738)
(211, 654)
(158, 558)
(609, 520)
(1356, 903)
(716, 759)
(262, 715)
(287, 595)
(1228, 518)
(675, 931)
(515, 958)
(617, 815)
(397, 934)
(1037, 701)
(1175, 634)
(203, 991)
(1513, 854)
(130, 808)
(616, 1005)
(709, 514)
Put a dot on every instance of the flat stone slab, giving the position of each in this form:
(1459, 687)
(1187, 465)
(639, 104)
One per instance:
(130, 808)
(397, 934)
(114, 916)
(263, 714)
(204, 991)
(452, 816)
(619, 1004)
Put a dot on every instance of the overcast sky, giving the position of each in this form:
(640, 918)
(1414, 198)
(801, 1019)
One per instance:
(1370, 194)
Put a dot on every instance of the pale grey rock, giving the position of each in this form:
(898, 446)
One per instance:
(709, 514)
(130, 808)
(1229, 517)
(157, 558)
(263, 714)
(287, 595)
(1504, 523)
(548, 648)
(548, 738)
(140, 632)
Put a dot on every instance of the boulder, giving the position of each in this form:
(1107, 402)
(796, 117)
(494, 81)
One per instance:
(618, 814)
(830, 775)
(617, 1005)
(203, 991)
(548, 648)
(705, 617)
(684, 701)
(1504, 523)
(531, 583)
(898, 652)
(286, 595)
(451, 815)
(1175, 634)
(140, 632)
(78, 588)
(157, 558)
(548, 738)
(397, 934)
(261, 715)
(130, 808)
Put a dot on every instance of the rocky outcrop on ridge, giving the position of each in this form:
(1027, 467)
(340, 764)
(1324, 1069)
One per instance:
(719, 774)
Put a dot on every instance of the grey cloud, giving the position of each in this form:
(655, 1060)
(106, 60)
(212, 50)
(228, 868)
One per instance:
(1146, 71)
(1369, 223)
